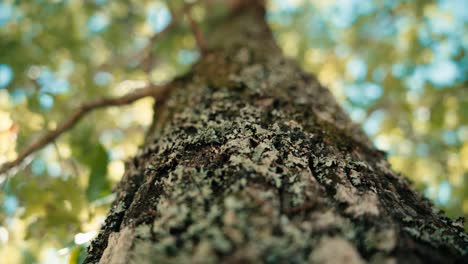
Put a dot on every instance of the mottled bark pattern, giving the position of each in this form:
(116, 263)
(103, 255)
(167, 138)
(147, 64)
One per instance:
(252, 160)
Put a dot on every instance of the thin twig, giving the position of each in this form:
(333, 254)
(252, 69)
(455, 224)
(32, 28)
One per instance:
(146, 56)
(80, 112)
(197, 33)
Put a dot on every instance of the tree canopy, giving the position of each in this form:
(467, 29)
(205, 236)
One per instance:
(398, 67)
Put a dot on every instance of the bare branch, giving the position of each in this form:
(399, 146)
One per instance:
(146, 56)
(155, 91)
(197, 33)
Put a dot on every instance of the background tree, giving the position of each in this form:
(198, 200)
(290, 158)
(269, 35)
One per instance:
(92, 66)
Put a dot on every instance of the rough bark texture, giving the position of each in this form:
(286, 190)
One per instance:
(252, 160)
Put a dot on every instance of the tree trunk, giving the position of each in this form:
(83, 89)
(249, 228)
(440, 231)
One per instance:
(252, 160)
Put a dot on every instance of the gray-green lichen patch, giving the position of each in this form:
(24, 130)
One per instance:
(120, 207)
(365, 204)
(328, 220)
(355, 177)
(332, 250)
(384, 240)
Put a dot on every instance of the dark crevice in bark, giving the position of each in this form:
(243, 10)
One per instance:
(126, 191)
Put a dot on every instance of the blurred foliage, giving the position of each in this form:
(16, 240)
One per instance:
(398, 67)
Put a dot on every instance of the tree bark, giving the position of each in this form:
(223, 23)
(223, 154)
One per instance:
(252, 160)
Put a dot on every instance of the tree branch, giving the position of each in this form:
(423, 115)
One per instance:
(155, 91)
(145, 57)
(197, 33)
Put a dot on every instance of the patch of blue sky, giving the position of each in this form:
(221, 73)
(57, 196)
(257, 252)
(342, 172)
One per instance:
(18, 96)
(158, 16)
(424, 36)
(187, 57)
(445, 49)
(399, 70)
(98, 23)
(416, 80)
(316, 25)
(364, 7)
(102, 78)
(287, 6)
(363, 93)
(402, 22)
(6, 75)
(353, 93)
(458, 8)
(46, 101)
(450, 137)
(372, 91)
(38, 166)
(444, 192)
(281, 18)
(46, 76)
(391, 4)
(275, 17)
(357, 114)
(379, 73)
(372, 124)
(10, 205)
(357, 67)
(441, 25)
(59, 86)
(343, 13)
(442, 73)
(49, 82)
(382, 27)
(6, 13)
(342, 17)
(54, 169)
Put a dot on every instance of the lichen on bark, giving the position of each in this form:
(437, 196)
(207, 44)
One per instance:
(252, 160)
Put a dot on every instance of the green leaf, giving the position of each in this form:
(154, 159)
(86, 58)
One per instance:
(98, 184)
(92, 154)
